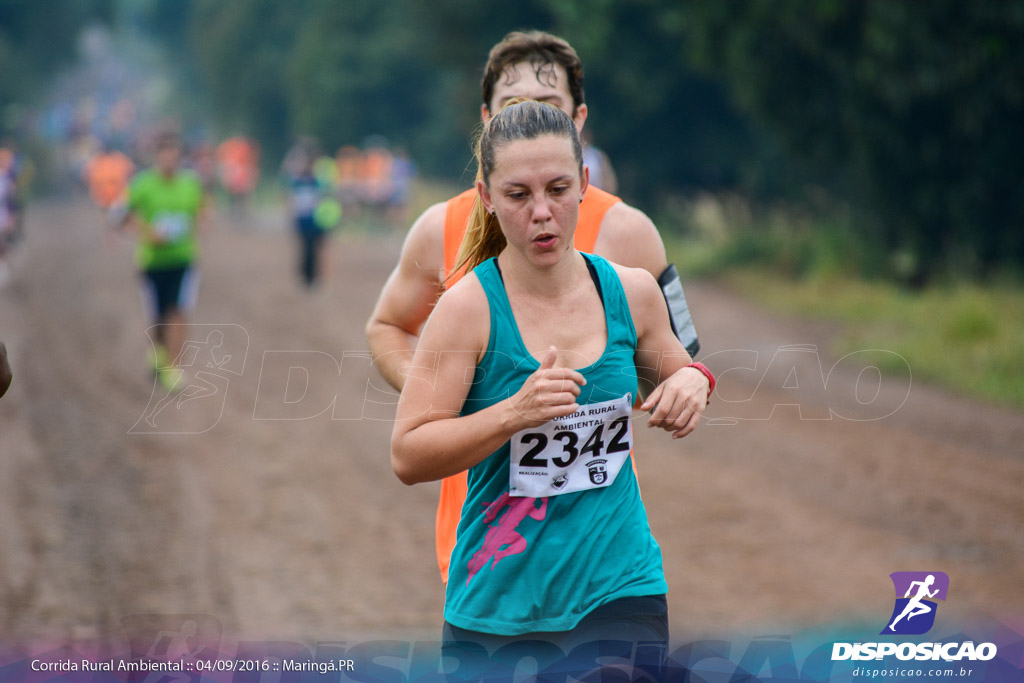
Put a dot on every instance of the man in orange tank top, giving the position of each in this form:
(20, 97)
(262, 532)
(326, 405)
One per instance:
(542, 67)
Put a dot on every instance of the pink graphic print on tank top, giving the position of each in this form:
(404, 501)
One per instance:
(503, 539)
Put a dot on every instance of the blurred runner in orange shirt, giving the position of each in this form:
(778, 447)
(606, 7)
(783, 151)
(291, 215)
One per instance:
(107, 175)
(238, 167)
(348, 160)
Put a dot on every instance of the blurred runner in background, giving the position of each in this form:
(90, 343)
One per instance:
(403, 173)
(349, 180)
(376, 172)
(15, 175)
(313, 208)
(107, 175)
(238, 167)
(166, 205)
(20, 171)
(203, 161)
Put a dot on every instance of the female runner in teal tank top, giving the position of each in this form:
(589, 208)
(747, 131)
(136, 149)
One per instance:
(525, 375)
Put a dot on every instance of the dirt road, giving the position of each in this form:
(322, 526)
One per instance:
(266, 501)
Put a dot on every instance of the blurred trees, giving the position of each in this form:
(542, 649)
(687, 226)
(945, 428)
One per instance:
(911, 111)
(357, 70)
(35, 40)
(906, 112)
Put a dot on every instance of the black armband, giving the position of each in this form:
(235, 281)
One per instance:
(678, 311)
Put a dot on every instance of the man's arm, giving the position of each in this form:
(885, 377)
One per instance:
(408, 297)
(628, 237)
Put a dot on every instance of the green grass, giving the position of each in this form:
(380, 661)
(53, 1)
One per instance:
(964, 337)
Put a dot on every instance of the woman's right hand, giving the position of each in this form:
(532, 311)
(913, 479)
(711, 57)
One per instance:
(548, 393)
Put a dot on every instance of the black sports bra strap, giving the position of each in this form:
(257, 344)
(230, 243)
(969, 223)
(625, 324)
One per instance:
(594, 276)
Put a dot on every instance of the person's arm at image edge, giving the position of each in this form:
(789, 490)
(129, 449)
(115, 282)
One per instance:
(5, 371)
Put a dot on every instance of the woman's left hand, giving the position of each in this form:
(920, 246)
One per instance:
(678, 403)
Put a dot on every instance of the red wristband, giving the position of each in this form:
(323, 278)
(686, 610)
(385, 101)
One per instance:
(703, 369)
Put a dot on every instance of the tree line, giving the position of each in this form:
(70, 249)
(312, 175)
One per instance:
(906, 114)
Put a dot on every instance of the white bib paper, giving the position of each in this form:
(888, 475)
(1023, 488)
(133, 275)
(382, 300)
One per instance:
(305, 200)
(170, 227)
(577, 452)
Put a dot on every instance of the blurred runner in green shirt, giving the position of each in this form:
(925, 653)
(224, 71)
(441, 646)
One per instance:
(166, 203)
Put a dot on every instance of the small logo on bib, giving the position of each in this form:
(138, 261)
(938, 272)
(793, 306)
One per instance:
(560, 481)
(598, 474)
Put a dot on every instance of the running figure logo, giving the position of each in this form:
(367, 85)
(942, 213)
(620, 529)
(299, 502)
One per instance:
(171, 638)
(503, 539)
(209, 358)
(914, 613)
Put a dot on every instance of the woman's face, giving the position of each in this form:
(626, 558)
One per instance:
(535, 190)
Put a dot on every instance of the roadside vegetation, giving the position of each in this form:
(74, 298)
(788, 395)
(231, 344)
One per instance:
(958, 332)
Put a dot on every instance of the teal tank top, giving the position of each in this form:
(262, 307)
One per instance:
(520, 564)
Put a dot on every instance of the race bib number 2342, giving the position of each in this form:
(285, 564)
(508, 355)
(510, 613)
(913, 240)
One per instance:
(577, 452)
